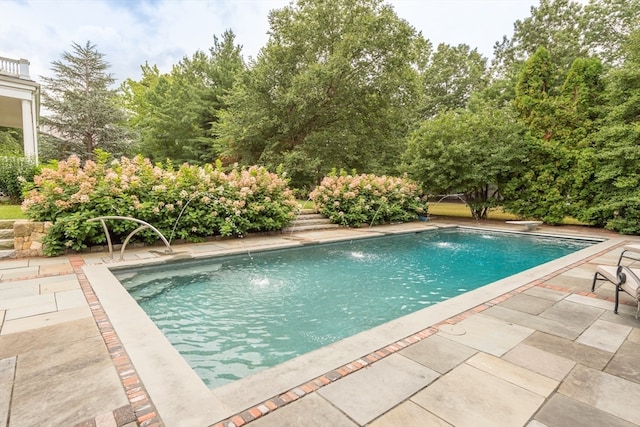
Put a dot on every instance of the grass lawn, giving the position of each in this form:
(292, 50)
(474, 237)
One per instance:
(11, 212)
(461, 210)
(306, 204)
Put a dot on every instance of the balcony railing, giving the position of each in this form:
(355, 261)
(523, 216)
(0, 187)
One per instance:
(15, 67)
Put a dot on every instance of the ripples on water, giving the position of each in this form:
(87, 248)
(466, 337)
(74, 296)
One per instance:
(236, 315)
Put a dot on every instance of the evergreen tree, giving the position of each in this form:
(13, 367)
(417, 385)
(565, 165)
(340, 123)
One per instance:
(11, 142)
(83, 113)
(173, 113)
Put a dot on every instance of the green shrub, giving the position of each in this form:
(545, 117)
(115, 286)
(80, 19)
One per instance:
(353, 200)
(188, 202)
(622, 216)
(14, 170)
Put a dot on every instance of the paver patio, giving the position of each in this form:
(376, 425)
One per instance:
(543, 352)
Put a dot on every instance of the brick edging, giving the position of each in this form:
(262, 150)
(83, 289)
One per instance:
(142, 410)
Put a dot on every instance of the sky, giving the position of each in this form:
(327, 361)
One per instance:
(161, 32)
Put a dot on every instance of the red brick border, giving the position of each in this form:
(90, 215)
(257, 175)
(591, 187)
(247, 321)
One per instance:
(144, 411)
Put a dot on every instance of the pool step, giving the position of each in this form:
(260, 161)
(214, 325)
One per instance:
(308, 220)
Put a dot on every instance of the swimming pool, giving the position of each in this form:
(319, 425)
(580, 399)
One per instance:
(232, 316)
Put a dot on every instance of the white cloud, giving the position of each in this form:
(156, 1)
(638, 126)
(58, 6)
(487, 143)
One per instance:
(162, 32)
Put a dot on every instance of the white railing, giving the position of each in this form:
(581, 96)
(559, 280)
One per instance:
(15, 67)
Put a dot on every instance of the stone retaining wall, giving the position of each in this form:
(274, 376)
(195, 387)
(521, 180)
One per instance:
(27, 237)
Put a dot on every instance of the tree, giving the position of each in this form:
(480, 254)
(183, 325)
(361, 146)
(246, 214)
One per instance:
(84, 113)
(534, 100)
(607, 26)
(569, 30)
(452, 75)
(555, 25)
(335, 87)
(466, 152)
(558, 119)
(11, 141)
(173, 113)
(609, 166)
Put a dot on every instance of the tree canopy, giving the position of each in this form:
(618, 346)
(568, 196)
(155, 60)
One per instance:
(335, 87)
(173, 113)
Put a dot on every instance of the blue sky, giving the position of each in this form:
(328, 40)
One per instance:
(130, 32)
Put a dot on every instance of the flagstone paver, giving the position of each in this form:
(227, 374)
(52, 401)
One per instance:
(64, 381)
(574, 316)
(540, 361)
(368, 393)
(65, 285)
(605, 335)
(70, 299)
(604, 391)
(47, 336)
(562, 411)
(470, 397)
(626, 362)
(438, 353)
(312, 411)
(7, 373)
(546, 293)
(41, 304)
(580, 353)
(528, 303)
(409, 414)
(19, 272)
(573, 283)
(490, 335)
(551, 326)
(46, 319)
(527, 379)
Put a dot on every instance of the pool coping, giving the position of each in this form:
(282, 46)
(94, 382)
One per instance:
(169, 379)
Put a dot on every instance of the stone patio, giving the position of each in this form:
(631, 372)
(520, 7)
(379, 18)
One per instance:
(535, 350)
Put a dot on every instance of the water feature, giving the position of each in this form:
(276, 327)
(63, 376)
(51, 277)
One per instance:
(232, 316)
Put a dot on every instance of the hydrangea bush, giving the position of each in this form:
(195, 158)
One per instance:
(188, 202)
(354, 200)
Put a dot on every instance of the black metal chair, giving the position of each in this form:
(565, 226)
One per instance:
(630, 252)
(623, 278)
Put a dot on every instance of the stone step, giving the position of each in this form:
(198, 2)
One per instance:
(6, 244)
(6, 224)
(310, 216)
(7, 254)
(6, 233)
(309, 221)
(325, 226)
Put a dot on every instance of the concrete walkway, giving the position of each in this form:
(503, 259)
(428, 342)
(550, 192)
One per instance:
(536, 349)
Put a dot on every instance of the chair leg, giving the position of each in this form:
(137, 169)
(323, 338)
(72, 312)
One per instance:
(615, 308)
(593, 284)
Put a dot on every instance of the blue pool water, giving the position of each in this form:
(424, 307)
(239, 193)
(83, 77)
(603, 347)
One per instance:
(232, 316)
